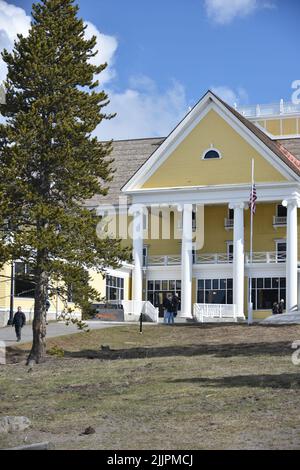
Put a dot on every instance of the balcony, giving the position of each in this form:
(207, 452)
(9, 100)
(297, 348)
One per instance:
(279, 221)
(265, 257)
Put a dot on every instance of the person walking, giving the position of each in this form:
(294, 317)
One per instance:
(281, 306)
(18, 322)
(175, 302)
(169, 310)
(275, 308)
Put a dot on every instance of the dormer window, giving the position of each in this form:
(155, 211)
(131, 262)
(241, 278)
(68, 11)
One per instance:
(211, 154)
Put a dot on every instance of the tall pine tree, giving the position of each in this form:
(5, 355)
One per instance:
(49, 161)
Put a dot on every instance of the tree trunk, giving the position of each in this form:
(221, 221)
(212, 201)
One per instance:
(38, 348)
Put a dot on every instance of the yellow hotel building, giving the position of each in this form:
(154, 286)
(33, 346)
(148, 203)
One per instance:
(190, 219)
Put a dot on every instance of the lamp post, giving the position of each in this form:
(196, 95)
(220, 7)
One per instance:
(12, 293)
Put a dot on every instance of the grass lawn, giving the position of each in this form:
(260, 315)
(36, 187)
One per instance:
(181, 387)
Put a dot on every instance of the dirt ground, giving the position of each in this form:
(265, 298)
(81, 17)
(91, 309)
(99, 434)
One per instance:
(182, 387)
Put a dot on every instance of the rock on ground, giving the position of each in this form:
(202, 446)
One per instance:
(10, 424)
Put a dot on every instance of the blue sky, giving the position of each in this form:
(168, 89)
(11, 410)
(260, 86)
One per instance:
(168, 53)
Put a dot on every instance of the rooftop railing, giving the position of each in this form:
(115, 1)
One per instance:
(265, 110)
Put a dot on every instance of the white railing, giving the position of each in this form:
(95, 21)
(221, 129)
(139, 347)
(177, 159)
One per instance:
(134, 308)
(164, 260)
(228, 223)
(218, 258)
(213, 258)
(280, 221)
(263, 110)
(207, 312)
(266, 257)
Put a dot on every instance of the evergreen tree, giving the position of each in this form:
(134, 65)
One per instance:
(50, 163)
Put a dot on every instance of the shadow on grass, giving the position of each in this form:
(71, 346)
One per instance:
(216, 350)
(280, 381)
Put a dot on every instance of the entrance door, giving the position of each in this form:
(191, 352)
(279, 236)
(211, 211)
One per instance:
(159, 298)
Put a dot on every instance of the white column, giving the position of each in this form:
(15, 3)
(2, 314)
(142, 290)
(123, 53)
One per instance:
(292, 256)
(238, 257)
(137, 240)
(186, 261)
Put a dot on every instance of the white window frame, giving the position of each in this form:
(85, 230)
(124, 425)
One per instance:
(212, 149)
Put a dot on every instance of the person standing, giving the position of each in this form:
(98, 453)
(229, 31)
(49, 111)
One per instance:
(281, 306)
(169, 310)
(275, 308)
(18, 322)
(175, 302)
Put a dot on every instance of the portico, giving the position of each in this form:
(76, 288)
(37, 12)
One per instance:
(188, 266)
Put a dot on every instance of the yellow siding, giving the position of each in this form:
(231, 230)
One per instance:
(273, 126)
(289, 126)
(185, 166)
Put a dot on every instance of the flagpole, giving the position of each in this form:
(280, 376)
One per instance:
(250, 305)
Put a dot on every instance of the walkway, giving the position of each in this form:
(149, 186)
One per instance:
(53, 330)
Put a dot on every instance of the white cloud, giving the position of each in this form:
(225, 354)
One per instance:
(143, 111)
(230, 96)
(106, 46)
(225, 11)
(13, 20)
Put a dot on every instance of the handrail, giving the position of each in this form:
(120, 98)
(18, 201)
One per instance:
(216, 311)
(218, 258)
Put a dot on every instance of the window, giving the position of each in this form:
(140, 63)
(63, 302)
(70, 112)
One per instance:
(281, 251)
(214, 291)
(230, 251)
(157, 291)
(231, 214)
(145, 255)
(281, 211)
(211, 154)
(24, 285)
(266, 291)
(194, 220)
(114, 288)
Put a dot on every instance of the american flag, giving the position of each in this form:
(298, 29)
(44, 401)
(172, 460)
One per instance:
(253, 199)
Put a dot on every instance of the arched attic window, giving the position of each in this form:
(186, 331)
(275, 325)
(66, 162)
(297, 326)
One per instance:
(212, 154)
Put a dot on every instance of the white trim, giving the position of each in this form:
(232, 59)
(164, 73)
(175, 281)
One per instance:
(123, 272)
(208, 102)
(284, 136)
(218, 194)
(212, 149)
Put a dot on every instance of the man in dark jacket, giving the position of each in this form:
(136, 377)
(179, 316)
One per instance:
(18, 322)
(169, 309)
(175, 302)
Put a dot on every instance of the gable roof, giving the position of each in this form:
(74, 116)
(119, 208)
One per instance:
(292, 145)
(128, 156)
(288, 163)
